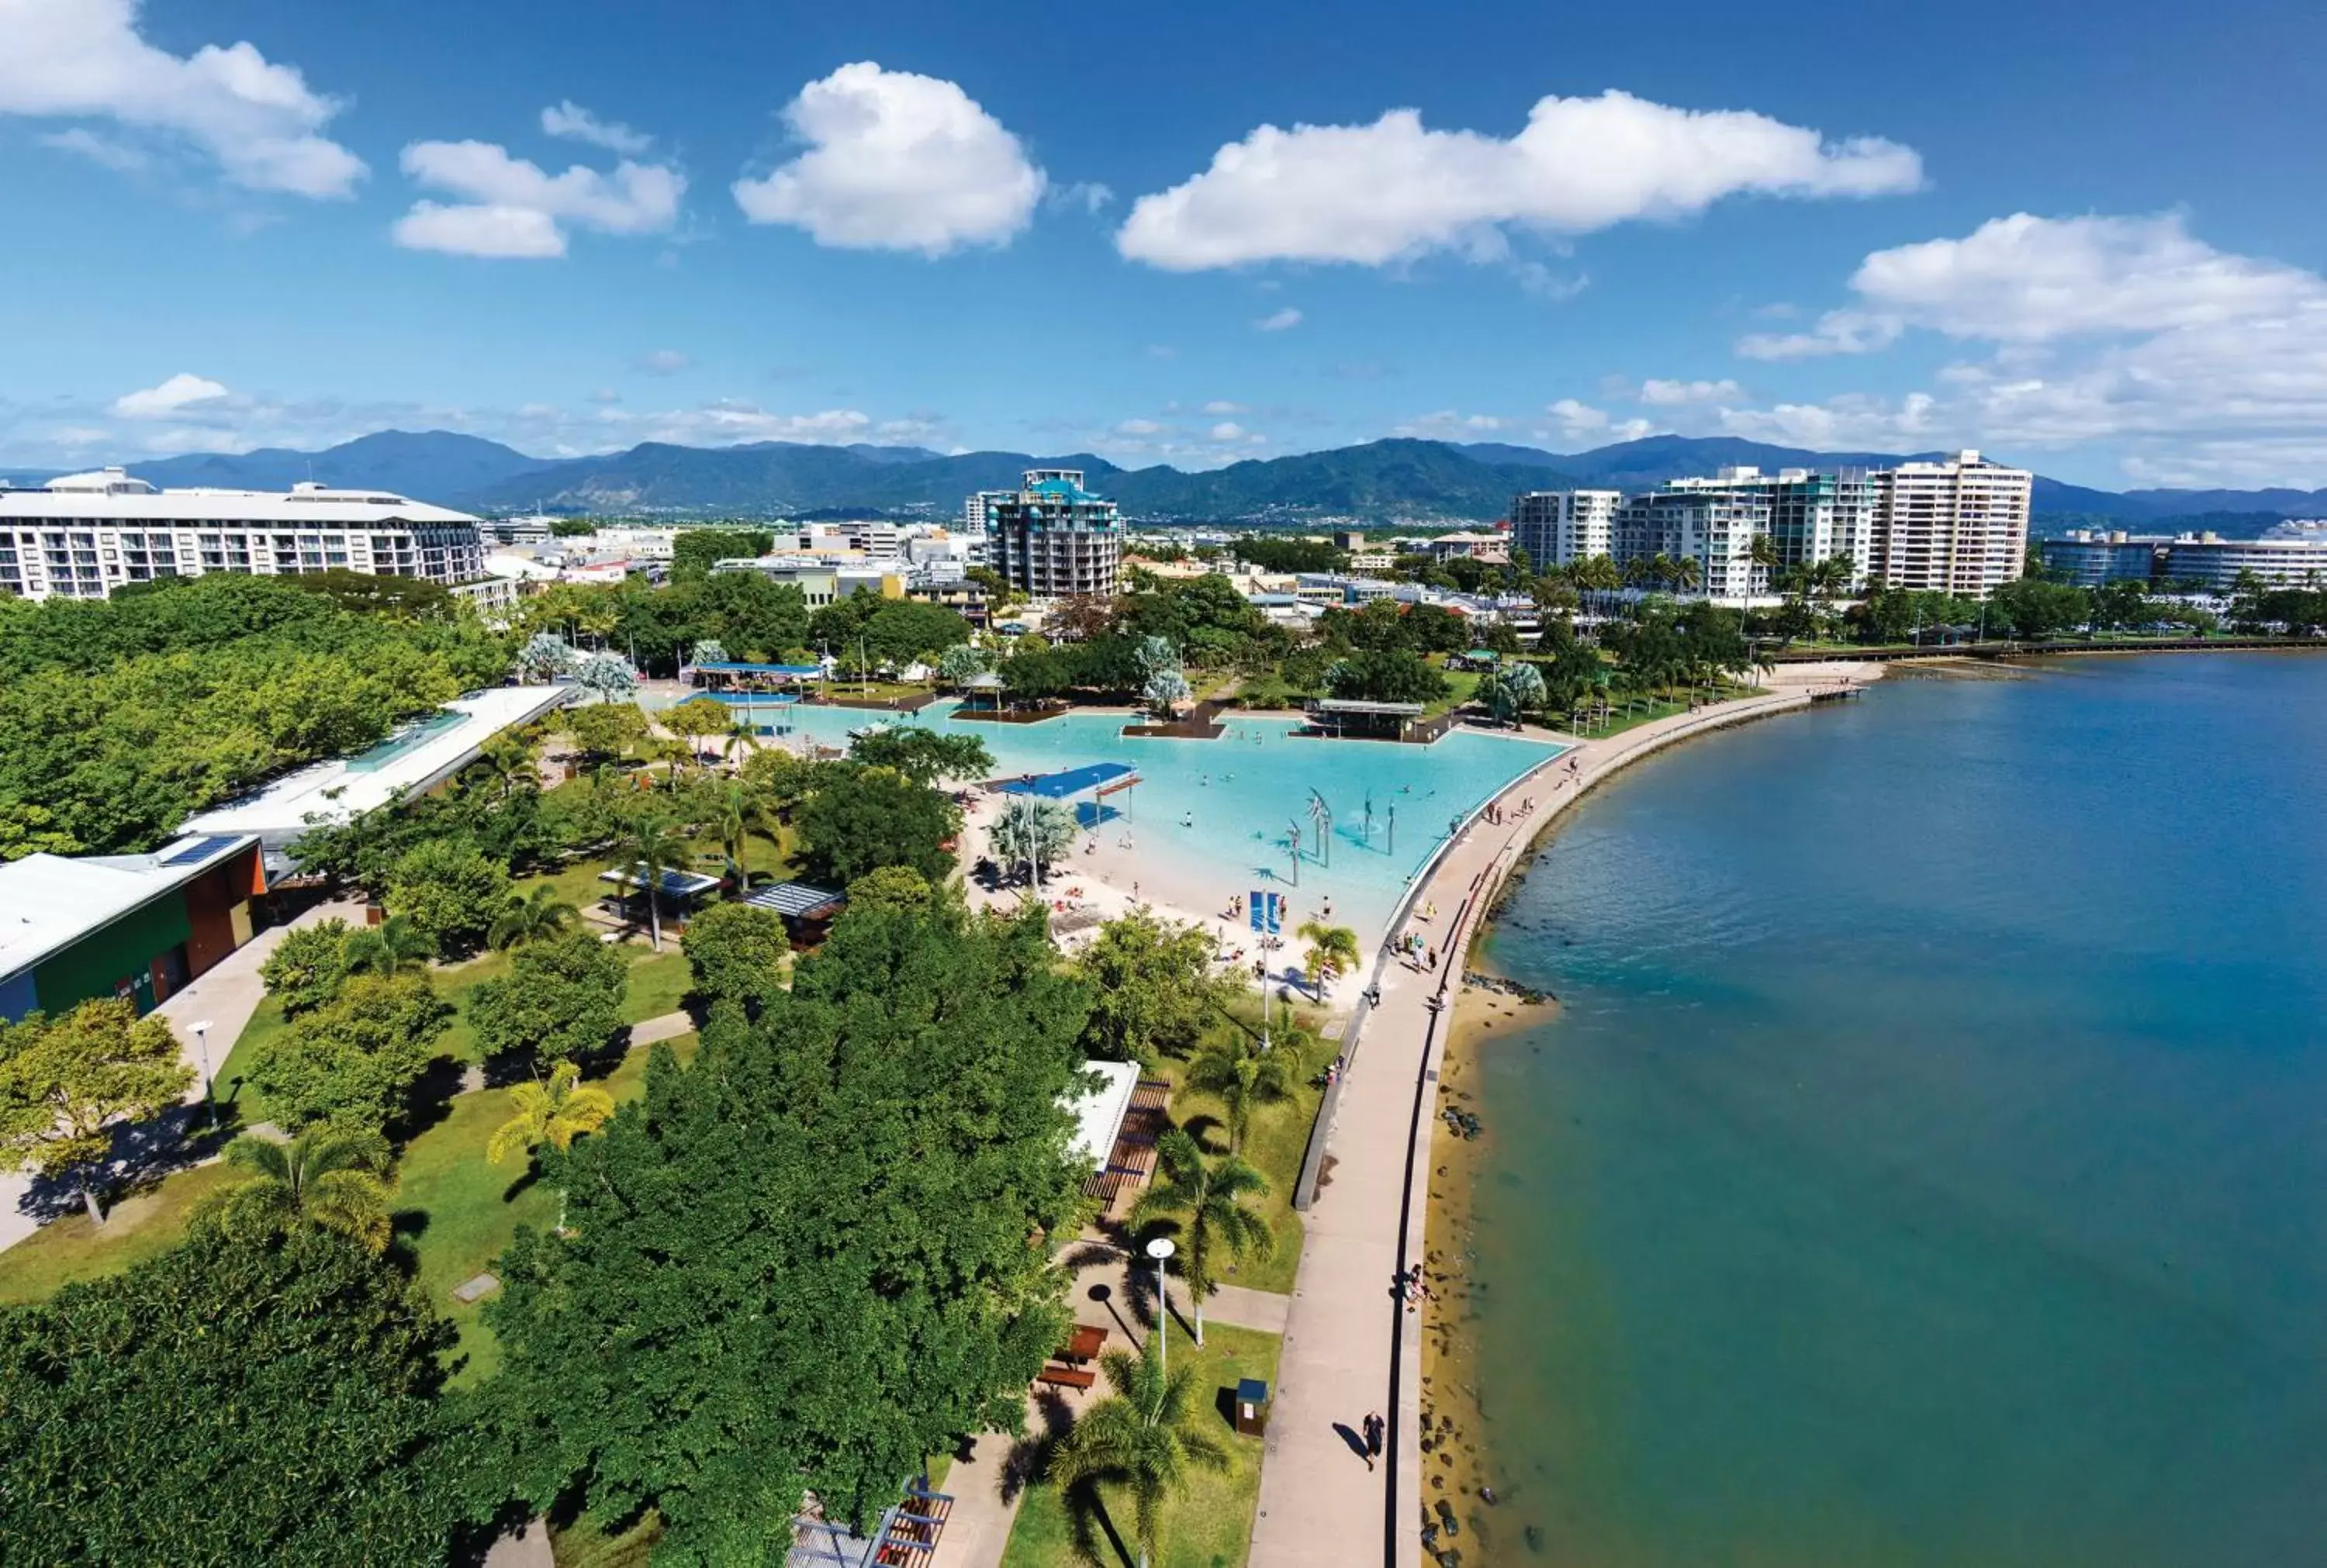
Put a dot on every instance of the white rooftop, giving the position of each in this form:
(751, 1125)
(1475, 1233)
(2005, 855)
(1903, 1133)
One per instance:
(110, 493)
(1098, 1113)
(49, 901)
(415, 759)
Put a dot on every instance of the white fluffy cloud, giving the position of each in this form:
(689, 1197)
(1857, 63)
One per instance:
(1280, 321)
(662, 362)
(2025, 279)
(507, 207)
(1575, 421)
(257, 119)
(1394, 190)
(575, 123)
(1448, 424)
(2191, 361)
(896, 162)
(1138, 428)
(170, 399)
(1664, 394)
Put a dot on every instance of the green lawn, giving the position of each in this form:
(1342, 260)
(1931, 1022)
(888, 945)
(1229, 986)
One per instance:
(1278, 1138)
(1210, 1524)
(69, 1248)
(456, 1209)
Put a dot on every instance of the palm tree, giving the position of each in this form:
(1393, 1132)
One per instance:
(333, 1177)
(555, 1113)
(390, 948)
(531, 917)
(648, 846)
(1764, 552)
(736, 810)
(741, 734)
(1142, 1436)
(1332, 950)
(1244, 1073)
(1686, 575)
(1207, 1198)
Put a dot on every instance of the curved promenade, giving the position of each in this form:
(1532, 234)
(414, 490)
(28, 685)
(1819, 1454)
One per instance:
(1350, 1348)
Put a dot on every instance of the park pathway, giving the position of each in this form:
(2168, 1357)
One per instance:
(1350, 1347)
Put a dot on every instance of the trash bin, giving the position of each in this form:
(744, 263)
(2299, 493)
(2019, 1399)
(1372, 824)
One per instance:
(1251, 1406)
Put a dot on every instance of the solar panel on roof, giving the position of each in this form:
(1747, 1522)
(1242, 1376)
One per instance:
(202, 849)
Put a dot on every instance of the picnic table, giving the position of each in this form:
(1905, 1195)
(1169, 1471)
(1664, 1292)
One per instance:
(1083, 1344)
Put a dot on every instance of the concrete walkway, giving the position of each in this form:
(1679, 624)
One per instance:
(1350, 1348)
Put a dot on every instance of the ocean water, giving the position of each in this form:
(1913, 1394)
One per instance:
(1929, 1164)
(1216, 817)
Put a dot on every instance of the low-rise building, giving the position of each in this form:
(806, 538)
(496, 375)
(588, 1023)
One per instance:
(82, 536)
(2088, 557)
(137, 926)
(2217, 563)
(1492, 548)
(413, 761)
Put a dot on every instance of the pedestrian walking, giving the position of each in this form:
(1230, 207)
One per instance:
(1375, 1427)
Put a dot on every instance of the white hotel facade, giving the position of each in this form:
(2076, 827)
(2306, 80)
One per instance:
(83, 536)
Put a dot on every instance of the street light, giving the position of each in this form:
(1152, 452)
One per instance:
(1160, 1250)
(201, 1028)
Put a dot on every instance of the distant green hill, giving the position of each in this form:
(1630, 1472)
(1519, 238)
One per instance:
(1377, 482)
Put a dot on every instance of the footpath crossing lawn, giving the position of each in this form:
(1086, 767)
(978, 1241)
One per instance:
(1209, 1524)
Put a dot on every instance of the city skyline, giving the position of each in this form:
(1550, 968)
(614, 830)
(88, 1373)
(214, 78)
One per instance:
(915, 228)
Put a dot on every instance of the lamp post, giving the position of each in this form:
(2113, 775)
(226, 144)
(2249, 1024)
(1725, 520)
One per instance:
(201, 1028)
(1160, 1250)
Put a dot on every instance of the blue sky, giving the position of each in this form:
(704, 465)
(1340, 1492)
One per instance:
(1190, 236)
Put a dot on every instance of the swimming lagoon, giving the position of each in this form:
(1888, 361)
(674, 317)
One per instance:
(1212, 819)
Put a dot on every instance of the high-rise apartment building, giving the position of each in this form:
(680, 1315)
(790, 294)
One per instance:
(1050, 537)
(1703, 520)
(82, 536)
(1959, 526)
(1561, 527)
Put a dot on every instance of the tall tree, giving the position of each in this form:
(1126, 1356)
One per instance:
(735, 953)
(355, 1059)
(450, 889)
(811, 1257)
(1154, 987)
(860, 819)
(66, 1082)
(306, 967)
(561, 999)
(648, 846)
(924, 756)
(1246, 1075)
(1332, 950)
(1207, 1198)
(333, 1177)
(394, 946)
(240, 1398)
(1143, 1437)
(534, 916)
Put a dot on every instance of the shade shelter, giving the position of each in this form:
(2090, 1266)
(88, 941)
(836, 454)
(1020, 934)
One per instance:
(730, 675)
(1342, 717)
(676, 891)
(988, 687)
(1097, 779)
(806, 909)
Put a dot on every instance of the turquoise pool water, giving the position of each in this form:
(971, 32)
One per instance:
(418, 734)
(1211, 818)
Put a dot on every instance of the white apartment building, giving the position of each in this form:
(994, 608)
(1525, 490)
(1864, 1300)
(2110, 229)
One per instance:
(83, 536)
(1712, 523)
(2291, 560)
(1954, 527)
(1561, 527)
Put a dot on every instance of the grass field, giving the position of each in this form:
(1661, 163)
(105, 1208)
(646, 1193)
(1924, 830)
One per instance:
(69, 1248)
(1210, 1524)
(1278, 1137)
(454, 1209)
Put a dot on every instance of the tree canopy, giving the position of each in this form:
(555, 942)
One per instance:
(860, 819)
(1154, 987)
(562, 999)
(356, 1059)
(65, 1082)
(259, 1397)
(804, 1261)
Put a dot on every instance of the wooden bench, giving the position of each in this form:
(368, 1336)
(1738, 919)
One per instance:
(1067, 1376)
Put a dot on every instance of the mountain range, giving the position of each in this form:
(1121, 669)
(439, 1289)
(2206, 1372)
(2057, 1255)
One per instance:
(1377, 481)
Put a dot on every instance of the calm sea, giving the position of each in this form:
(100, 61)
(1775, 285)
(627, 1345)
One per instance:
(1930, 1164)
